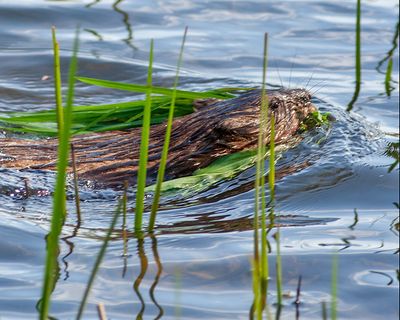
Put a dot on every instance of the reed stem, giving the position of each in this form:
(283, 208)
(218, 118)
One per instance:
(164, 155)
(144, 147)
(59, 199)
(358, 57)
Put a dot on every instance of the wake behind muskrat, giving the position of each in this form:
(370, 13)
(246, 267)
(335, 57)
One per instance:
(218, 128)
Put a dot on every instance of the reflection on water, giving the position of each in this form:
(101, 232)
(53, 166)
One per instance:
(70, 244)
(143, 269)
(353, 225)
(157, 259)
(357, 58)
(392, 151)
(212, 223)
(144, 264)
(95, 33)
(125, 19)
(390, 83)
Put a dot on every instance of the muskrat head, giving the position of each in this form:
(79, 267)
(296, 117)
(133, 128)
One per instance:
(239, 127)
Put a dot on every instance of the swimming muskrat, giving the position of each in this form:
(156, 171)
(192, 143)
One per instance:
(218, 128)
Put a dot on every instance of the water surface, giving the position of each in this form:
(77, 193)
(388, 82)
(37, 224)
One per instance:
(335, 196)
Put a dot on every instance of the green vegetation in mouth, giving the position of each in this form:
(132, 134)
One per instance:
(314, 120)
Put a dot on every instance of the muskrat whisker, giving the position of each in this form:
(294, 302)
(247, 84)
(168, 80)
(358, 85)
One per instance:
(312, 74)
(316, 91)
(291, 69)
(279, 74)
(316, 84)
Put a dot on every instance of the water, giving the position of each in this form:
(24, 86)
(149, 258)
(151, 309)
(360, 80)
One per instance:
(336, 196)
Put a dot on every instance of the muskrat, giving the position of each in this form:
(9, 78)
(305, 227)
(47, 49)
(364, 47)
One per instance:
(218, 128)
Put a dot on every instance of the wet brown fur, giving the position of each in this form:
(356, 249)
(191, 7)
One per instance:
(217, 129)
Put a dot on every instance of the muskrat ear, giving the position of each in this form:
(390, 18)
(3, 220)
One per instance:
(237, 126)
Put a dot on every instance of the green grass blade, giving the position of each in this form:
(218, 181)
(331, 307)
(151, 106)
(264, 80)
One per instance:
(264, 268)
(271, 175)
(124, 212)
(278, 268)
(155, 90)
(358, 58)
(76, 185)
(335, 266)
(98, 262)
(59, 200)
(57, 81)
(260, 273)
(94, 122)
(271, 183)
(105, 117)
(164, 155)
(389, 59)
(388, 76)
(144, 146)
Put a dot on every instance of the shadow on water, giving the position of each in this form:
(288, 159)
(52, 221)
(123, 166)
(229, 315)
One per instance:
(125, 19)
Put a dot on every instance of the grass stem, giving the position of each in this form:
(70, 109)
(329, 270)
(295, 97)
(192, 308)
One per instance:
(264, 268)
(59, 199)
(335, 265)
(57, 81)
(76, 186)
(144, 147)
(164, 155)
(358, 57)
(124, 211)
(260, 261)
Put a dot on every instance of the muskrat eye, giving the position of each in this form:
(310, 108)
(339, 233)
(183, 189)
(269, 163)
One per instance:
(274, 104)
